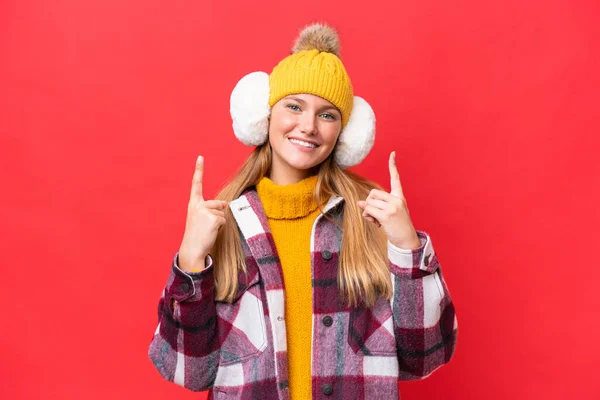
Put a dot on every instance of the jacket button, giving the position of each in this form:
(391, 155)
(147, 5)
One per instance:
(326, 255)
(185, 287)
(327, 388)
(327, 320)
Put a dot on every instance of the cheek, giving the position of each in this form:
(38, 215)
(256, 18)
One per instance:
(281, 123)
(330, 134)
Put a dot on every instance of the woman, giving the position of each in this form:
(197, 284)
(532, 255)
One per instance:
(302, 280)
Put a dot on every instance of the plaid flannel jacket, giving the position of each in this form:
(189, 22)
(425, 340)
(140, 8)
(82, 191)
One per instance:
(238, 350)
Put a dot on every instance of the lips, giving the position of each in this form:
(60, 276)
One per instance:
(304, 140)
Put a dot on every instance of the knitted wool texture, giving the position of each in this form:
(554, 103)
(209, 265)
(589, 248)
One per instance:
(315, 72)
(291, 212)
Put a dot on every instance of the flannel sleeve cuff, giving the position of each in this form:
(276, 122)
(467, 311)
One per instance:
(208, 262)
(184, 285)
(403, 261)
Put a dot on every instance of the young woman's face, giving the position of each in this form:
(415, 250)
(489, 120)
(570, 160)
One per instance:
(303, 131)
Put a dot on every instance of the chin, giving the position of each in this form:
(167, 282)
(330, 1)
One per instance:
(302, 164)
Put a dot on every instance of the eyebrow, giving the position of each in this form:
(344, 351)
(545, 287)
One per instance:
(325, 107)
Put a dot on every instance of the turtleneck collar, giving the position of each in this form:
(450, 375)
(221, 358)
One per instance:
(287, 201)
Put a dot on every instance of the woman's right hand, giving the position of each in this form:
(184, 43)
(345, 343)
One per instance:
(204, 218)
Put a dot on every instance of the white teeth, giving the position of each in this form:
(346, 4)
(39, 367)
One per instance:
(301, 143)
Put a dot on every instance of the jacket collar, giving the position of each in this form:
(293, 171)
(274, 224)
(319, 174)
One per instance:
(252, 221)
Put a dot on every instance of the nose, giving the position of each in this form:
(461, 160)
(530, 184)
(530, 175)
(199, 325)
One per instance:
(308, 124)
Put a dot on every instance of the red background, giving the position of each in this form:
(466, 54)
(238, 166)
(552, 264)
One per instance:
(491, 106)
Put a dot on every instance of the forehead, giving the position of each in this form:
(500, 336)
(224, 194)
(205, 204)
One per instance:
(311, 99)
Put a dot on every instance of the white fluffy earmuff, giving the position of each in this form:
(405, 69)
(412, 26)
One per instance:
(357, 137)
(250, 111)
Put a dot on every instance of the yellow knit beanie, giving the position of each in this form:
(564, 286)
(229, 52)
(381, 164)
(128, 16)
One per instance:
(314, 67)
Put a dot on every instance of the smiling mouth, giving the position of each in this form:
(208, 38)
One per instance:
(302, 143)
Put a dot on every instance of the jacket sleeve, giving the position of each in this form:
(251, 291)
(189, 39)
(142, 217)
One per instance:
(185, 345)
(425, 324)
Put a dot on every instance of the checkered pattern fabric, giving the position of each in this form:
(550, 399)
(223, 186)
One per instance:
(238, 350)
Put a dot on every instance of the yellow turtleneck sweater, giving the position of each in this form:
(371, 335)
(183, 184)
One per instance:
(291, 211)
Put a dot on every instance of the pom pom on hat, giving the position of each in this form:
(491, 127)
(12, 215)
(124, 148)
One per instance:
(320, 37)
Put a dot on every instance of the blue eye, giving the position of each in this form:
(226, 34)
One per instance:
(329, 116)
(293, 107)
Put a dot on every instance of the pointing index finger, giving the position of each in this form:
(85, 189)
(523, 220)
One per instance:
(396, 187)
(196, 192)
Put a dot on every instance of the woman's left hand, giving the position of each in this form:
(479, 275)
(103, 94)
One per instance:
(389, 211)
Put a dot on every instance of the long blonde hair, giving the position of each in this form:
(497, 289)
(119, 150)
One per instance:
(363, 272)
